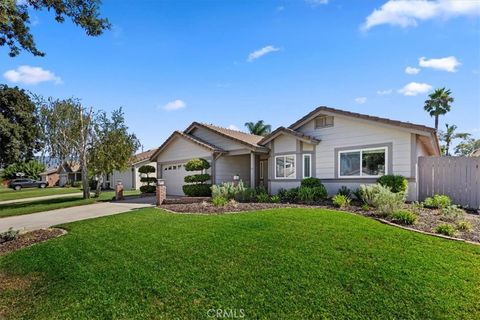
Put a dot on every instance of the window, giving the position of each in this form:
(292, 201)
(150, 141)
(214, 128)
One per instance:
(362, 163)
(261, 169)
(285, 167)
(323, 122)
(307, 166)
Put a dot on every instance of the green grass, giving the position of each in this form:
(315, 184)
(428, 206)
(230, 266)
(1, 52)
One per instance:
(277, 264)
(20, 208)
(10, 194)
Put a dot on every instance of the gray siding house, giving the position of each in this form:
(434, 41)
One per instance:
(341, 148)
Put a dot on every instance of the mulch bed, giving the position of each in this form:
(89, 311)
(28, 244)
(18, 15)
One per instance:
(428, 219)
(30, 238)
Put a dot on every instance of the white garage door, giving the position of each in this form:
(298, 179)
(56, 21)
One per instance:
(174, 175)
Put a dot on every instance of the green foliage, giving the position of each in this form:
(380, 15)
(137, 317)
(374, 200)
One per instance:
(465, 226)
(30, 169)
(309, 195)
(358, 194)
(345, 191)
(438, 103)
(275, 199)
(263, 198)
(438, 201)
(228, 190)
(197, 190)
(219, 201)
(396, 183)
(258, 128)
(197, 165)
(20, 132)
(288, 196)
(449, 135)
(146, 169)
(365, 207)
(148, 189)
(246, 195)
(14, 25)
(467, 146)
(404, 217)
(446, 229)
(311, 183)
(382, 198)
(148, 180)
(198, 178)
(8, 235)
(367, 193)
(452, 212)
(341, 201)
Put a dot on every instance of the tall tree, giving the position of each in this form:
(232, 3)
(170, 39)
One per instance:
(467, 146)
(20, 134)
(113, 146)
(15, 20)
(68, 132)
(439, 103)
(259, 128)
(449, 135)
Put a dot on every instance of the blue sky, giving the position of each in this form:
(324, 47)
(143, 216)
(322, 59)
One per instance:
(193, 56)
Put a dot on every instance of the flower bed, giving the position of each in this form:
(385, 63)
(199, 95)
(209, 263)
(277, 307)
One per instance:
(30, 238)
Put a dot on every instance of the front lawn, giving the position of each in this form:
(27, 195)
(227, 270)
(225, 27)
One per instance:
(16, 209)
(10, 194)
(282, 263)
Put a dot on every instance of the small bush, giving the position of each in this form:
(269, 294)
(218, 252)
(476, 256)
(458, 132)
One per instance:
(382, 198)
(417, 207)
(404, 217)
(219, 201)
(198, 178)
(275, 199)
(341, 201)
(345, 192)
(452, 212)
(146, 169)
(288, 196)
(148, 180)
(438, 201)
(446, 229)
(396, 183)
(245, 195)
(8, 235)
(311, 183)
(263, 197)
(365, 207)
(148, 189)
(358, 194)
(228, 190)
(197, 190)
(368, 193)
(465, 226)
(197, 165)
(310, 195)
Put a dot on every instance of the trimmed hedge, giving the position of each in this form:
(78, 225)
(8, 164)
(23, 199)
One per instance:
(311, 183)
(197, 165)
(148, 189)
(148, 180)
(197, 190)
(197, 178)
(396, 183)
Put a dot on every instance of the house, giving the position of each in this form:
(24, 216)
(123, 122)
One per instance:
(66, 173)
(50, 176)
(341, 148)
(131, 177)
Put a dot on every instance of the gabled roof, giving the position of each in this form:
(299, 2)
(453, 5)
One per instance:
(142, 156)
(250, 140)
(397, 123)
(296, 134)
(189, 137)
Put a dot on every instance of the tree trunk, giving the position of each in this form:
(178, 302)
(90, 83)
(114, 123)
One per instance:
(436, 122)
(85, 184)
(99, 186)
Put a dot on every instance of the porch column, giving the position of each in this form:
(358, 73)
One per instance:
(252, 170)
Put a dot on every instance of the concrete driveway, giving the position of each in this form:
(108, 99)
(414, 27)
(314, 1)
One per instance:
(42, 220)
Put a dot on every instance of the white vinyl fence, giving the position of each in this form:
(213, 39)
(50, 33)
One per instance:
(456, 177)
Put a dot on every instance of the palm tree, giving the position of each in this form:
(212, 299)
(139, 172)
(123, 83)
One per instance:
(438, 103)
(449, 135)
(259, 128)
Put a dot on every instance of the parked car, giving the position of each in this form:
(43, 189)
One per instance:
(18, 184)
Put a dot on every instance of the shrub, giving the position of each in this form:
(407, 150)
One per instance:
(198, 178)
(148, 189)
(438, 201)
(8, 235)
(368, 193)
(358, 194)
(465, 226)
(197, 165)
(275, 199)
(228, 190)
(311, 183)
(219, 201)
(146, 169)
(365, 207)
(288, 196)
(452, 212)
(197, 190)
(263, 197)
(341, 201)
(310, 195)
(148, 180)
(417, 207)
(396, 183)
(30, 169)
(446, 229)
(345, 192)
(245, 195)
(404, 217)
(387, 201)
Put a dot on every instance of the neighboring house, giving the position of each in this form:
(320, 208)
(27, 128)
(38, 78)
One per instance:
(339, 147)
(475, 153)
(50, 176)
(131, 177)
(69, 173)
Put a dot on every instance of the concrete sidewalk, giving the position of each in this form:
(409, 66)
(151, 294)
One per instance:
(53, 196)
(42, 220)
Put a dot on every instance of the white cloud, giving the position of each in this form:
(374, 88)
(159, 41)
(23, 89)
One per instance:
(31, 75)
(261, 52)
(449, 64)
(407, 13)
(384, 92)
(415, 88)
(233, 127)
(314, 3)
(361, 100)
(411, 70)
(174, 105)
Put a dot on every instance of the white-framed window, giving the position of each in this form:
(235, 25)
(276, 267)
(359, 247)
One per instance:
(323, 122)
(261, 169)
(363, 163)
(307, 166)
(285, 167)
